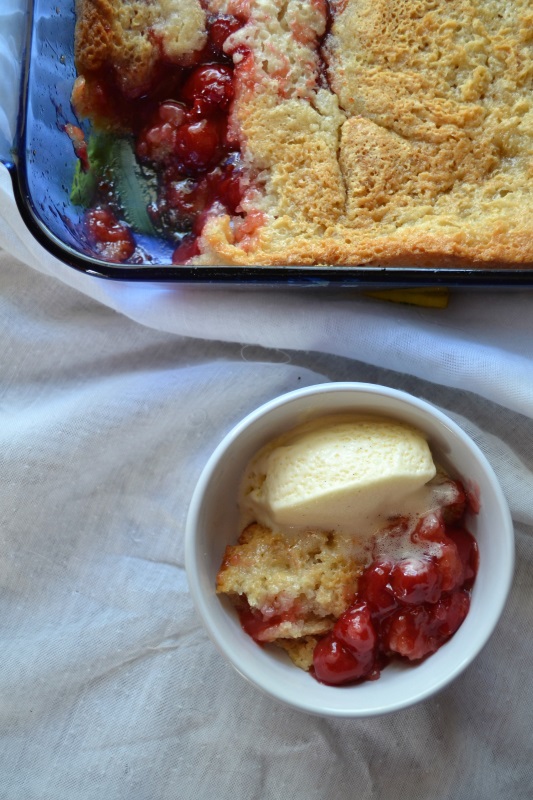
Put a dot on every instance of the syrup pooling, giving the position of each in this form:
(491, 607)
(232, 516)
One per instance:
(406, 607)
(180, 132)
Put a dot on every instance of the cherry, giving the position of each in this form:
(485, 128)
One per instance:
(111, 239)
(348, 652)
(375, 586)
(172, 112)
(334, 664)
(209, 89)
(225, 183)
(157, 141)
(468, 552)
(219, 29)
(187, 249)
(187, 197)
(416, 580)
(198, 144)
(450, 612)
(191, 198)
(450, 566)
(454, 509)
(186, 203)
(254, 623)
(355, 630)
(418, 631)
(407, 633)
(228, 190)
(430, 528)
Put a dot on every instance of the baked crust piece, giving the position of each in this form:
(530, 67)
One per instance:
(399, 135)
(300, 651)
(430, 158)
(299, 586)
(124, 41)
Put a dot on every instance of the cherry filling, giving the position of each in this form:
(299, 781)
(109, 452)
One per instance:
(180, 126)
(404, 609)
(187, 139)
(263, 626)
(110, 238)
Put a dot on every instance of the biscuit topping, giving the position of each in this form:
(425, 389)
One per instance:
(378, 132)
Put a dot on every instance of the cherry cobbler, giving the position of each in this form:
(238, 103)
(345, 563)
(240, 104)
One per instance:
(344, 614)
(318, 132)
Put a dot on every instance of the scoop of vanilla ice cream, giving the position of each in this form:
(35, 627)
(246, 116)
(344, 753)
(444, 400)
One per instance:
(339, 475)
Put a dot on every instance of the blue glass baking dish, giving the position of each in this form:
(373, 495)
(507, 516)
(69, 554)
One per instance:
(42, 162)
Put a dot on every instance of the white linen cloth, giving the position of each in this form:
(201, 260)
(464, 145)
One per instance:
(109, 687)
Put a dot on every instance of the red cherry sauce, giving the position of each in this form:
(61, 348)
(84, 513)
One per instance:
(263, 626)
(180, 128)
(79, 144)
(405, 608)
(111, 239)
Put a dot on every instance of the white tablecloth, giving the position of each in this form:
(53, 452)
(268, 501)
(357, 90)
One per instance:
(112, 397)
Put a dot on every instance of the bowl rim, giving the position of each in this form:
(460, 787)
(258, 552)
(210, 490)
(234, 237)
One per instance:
(192, 566)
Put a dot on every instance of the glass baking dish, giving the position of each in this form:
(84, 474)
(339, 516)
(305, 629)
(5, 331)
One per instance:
(42, 163)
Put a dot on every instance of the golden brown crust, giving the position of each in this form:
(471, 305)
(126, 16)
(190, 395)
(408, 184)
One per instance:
(303, 584)
(300, 651)
(131, 36)
(431, 162)
(417, 152)
(299, 586)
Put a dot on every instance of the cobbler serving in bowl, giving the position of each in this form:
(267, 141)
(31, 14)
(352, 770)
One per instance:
(388, 594)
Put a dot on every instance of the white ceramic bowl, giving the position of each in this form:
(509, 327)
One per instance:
(213, 523)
